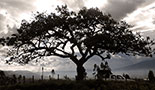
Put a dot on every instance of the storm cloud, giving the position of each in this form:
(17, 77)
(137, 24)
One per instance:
(120, 8)
(117, 8)
(11, 11)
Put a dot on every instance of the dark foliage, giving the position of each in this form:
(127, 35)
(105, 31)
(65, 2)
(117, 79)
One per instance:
(103, 71)
(126, 76)
(77, 36)
(151, 76)
(82, 85)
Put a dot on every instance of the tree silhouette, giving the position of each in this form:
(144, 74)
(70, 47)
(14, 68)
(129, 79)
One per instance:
(77, 36)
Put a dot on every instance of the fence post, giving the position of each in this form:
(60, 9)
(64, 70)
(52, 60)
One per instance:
(24, 79)
(42, 78)
(33, 79)
(58, 77)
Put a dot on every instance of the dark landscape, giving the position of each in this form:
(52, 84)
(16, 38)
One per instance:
(82, 85)
(77, 45)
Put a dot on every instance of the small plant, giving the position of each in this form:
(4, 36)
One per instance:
(126, 76)
(66, 77)
(102, 71)
(151, 76)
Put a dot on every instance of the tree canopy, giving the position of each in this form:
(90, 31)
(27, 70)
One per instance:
(77, 36)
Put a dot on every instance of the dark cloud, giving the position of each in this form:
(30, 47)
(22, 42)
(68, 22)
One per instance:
(120, 8)
(117, 8)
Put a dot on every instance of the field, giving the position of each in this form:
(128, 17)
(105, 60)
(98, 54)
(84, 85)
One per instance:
(82, 85)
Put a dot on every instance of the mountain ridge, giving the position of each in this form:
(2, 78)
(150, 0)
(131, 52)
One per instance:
(143, 65)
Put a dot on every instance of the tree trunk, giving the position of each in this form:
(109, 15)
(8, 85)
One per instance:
(81, 72)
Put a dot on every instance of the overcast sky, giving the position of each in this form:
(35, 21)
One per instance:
(140, 13)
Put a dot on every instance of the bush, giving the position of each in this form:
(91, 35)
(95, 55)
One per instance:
(151, 76)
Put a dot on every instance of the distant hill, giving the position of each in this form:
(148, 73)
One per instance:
(144, 65)
(27, 74)
(138, 70)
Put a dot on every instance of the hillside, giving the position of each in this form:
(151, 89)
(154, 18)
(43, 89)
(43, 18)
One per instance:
(27, 74)
(144, 65)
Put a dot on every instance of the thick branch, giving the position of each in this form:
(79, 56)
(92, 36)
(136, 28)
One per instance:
(60, 55)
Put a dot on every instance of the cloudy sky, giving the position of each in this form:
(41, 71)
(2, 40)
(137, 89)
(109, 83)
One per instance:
(140, 13)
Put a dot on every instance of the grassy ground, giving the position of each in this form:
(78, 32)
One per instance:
(82, 85)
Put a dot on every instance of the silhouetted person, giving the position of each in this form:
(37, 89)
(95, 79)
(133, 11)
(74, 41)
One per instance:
(42, 78)
(49, 77)
(33, 79)
(24, 78)
(19, 78)
(14, 79)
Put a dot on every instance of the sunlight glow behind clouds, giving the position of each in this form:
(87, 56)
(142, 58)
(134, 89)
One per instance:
(50, 5)
(95, 3)
(142, 18)
(6, 22)
(3, 12)
(16, 10)
(46, 5)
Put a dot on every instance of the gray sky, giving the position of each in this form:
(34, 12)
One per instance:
(140, 13)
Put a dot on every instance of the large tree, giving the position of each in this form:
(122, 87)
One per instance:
(77, 36)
